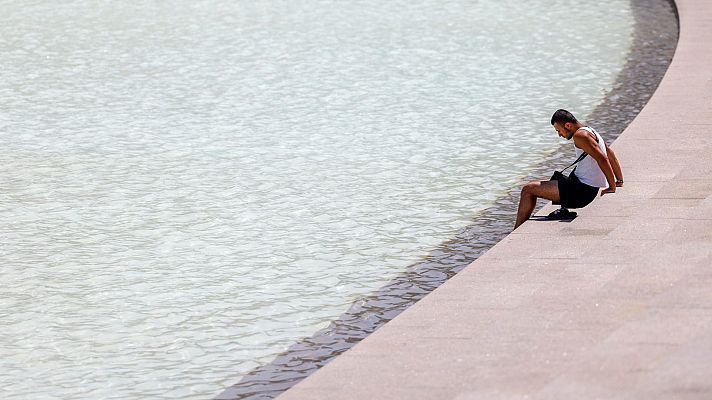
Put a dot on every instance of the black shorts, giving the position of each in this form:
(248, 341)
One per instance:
(575, 194)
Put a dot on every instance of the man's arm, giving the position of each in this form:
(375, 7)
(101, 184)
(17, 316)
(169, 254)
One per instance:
(615, 165)
(587, 143)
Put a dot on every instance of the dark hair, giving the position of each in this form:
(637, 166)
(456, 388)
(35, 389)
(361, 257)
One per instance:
(562, 116)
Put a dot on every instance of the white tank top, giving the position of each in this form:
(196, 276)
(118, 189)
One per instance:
(587, 170)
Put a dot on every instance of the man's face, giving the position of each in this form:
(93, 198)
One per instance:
(565, 130)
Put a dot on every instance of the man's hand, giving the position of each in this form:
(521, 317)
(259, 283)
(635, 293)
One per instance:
(608, 190)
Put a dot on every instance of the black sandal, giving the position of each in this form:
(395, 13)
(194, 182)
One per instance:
(561, 214)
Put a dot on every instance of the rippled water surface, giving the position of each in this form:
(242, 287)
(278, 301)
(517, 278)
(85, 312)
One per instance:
(187, 188)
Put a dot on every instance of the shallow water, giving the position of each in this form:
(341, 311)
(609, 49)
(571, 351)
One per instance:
(189, 188)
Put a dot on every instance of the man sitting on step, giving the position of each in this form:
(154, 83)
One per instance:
(597, 168)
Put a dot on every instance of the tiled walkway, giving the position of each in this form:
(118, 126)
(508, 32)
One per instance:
(614, 305)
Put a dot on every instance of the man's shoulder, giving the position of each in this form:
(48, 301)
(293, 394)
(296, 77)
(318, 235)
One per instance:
(580, 132)
(585, 131)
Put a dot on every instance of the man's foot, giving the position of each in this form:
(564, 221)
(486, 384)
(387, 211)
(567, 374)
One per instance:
(560, 214)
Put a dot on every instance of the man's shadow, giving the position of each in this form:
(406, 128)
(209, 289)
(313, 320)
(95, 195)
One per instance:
(545, 219)
(560, 215)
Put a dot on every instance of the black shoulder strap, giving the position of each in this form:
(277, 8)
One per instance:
(584, 154)
(581, 157)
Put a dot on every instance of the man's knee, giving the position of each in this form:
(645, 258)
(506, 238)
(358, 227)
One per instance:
(530, 188)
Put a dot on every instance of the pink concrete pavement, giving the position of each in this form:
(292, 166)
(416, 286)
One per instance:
(614, 305)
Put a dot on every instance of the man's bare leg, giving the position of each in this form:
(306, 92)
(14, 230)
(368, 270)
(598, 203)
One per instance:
(534, 190)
